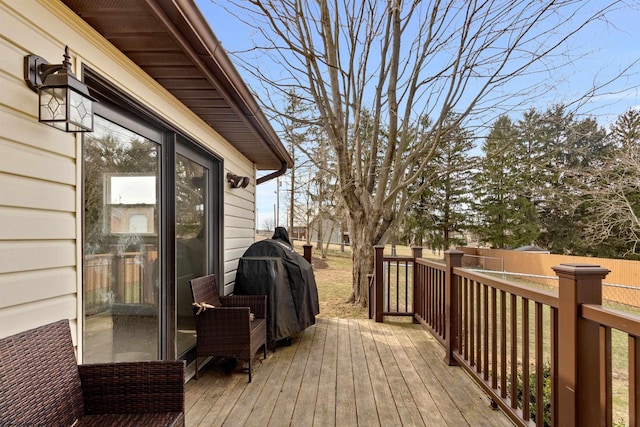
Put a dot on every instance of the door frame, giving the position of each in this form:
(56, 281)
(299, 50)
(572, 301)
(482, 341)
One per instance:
(117, 106)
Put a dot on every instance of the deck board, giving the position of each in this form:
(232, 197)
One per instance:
(366, 410)
(325, 408)
(385, 405)
(344, 372)
(303, 414)
(345, 393)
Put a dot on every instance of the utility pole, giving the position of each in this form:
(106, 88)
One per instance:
(277, 221)
(291, 205)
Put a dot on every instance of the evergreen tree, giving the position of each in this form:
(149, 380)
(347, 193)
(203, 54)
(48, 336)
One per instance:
(440, 216)
(577, 149)
(504, 210)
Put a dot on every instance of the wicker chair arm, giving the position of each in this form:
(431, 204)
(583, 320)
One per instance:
(133, 387)
(257, 303)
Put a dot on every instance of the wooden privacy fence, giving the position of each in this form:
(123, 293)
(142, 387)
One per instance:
(543, 358)
(118, 278)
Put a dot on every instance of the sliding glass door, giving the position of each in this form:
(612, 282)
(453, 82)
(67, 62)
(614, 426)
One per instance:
(152, 220)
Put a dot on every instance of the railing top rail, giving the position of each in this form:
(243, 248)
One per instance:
(397, 258)
(430, 263)
(537, 295)
(480, 256)
(612, 318)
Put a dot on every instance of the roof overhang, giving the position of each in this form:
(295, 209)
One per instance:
(173, 43)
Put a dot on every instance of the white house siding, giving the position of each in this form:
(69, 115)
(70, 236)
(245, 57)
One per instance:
(239, 229)
(40, 176)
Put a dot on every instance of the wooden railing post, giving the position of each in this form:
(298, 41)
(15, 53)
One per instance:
(416, 253)
(579, 356)
(307, 248)
(452, 258)
(378, 273)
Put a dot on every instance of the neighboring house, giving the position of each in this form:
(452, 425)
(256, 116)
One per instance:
(299, 232)
(106, 228)
(328, 230)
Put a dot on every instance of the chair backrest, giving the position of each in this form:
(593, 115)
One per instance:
(204, 289)
(39, 379)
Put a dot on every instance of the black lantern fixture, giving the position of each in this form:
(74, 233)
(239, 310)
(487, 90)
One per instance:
(64, 100)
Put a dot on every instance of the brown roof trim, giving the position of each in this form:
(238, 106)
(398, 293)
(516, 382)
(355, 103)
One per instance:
(228, 81)
(172, 42)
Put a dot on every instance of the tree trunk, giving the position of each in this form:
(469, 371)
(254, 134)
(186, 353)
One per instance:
(362, 257)
(319, 240)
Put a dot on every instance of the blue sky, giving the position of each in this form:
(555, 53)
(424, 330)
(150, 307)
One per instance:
(605, 49)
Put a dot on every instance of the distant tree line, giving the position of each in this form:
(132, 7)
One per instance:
(548, 179)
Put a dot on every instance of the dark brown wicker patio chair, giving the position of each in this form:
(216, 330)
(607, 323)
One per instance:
(227, 330)
(41, 384)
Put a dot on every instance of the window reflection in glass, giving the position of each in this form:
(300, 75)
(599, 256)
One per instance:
(121, 289)
(191, 248)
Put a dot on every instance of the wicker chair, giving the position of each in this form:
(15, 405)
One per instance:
(41, 384)
(227, 330)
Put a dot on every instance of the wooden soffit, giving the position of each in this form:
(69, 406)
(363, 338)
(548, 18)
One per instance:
(173, 43)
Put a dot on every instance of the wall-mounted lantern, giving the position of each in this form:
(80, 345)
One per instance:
(64, 100)
(237, 181)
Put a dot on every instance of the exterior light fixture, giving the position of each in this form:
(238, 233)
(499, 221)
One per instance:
(64, 100)
(237, 181)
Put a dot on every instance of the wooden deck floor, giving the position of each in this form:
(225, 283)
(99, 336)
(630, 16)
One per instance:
(345, 372)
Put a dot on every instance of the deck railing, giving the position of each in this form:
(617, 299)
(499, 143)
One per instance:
(124, 278)
(544, 358)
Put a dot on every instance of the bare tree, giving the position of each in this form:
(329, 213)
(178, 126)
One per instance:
(268, 224)
(404, 62)
(612, 190)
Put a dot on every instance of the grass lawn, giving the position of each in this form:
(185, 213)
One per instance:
(334, 280)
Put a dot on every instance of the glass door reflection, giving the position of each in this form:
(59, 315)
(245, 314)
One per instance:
(192, 233)
(121, 241)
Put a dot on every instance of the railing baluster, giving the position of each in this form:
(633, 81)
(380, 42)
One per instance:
(460, 325)
(388, 281)
(525, 359)
(441, 305)
(514, 351)
(554, 365)
(378, 262)
(397, 286)
(432, 292)
(472, 326)
(494, 340)
(605, 372)
(503, 344)
(417, 289)
(465, 313)
(634, 380)
(422, 282)
(406, 286)
(539, 343)
(485, 335)
(478, 327)
(434, 303)
(430, 296)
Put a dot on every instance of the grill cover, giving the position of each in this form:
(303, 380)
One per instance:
(271, 267)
